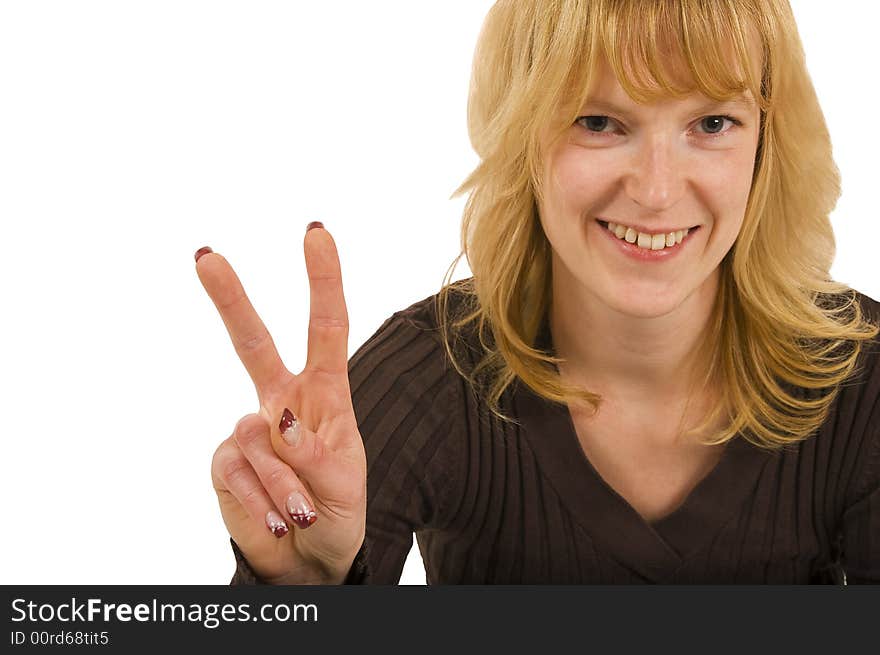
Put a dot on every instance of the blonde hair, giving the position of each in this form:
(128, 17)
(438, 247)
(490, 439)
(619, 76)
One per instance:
(778, 319)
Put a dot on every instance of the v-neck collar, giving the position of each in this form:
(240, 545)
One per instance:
(655, 550)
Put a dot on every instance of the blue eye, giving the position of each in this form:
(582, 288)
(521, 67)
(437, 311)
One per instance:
(595, 123)
(713, 125)
(719, 120)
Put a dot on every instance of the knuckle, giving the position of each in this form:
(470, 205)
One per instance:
(253, 342)
(276, 476)
(236, 471)
(252, 497)
(328, 322)
(250, 429)
(221, 454)
(230, 300)
(331, 373)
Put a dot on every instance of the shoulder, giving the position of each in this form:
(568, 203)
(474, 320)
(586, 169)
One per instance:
(424, 314)
(868, 368)
(854, 423)
(844, 305)
(860, 392)
(405, 359)
(415, 326)
(870, 307)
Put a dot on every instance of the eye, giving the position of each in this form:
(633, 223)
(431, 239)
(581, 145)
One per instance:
(713, 125)
(594, 124)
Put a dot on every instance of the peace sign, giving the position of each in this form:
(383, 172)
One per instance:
(302, 456)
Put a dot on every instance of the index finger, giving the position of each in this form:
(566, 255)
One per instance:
(249, 335)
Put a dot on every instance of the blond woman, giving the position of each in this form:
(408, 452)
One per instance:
(650, 376)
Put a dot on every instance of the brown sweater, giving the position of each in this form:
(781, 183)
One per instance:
(492, 502)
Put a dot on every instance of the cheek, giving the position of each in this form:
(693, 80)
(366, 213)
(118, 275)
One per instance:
(724, 184)
(578, 181)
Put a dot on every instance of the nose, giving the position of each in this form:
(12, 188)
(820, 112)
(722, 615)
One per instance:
(655, 179)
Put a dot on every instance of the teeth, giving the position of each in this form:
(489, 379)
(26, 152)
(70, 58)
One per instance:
(648, 241)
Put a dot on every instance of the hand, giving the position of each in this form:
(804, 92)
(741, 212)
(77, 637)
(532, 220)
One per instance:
(257, 472)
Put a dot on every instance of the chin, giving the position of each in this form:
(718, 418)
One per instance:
(645, 303)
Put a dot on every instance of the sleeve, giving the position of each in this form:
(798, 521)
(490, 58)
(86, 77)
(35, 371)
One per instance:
(245, 575)
(402, 389)
(860, 529)
(404, 392)
(861, 541)
(861, 520)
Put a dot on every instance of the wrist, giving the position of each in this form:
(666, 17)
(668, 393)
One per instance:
(308, 576)
(318, 572)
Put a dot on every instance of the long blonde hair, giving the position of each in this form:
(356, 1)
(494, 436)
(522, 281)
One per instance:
(779, 319)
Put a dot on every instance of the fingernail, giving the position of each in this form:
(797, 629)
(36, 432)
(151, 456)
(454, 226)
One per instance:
(289, 427)
(203, 251)
(276, 524)
(314, 224)
(299, 510)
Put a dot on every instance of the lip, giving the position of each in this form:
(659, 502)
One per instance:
(650, 230)
(641, 254)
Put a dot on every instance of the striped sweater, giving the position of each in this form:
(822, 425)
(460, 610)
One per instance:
(499, 503)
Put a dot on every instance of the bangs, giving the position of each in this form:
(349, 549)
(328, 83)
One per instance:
(663, 48)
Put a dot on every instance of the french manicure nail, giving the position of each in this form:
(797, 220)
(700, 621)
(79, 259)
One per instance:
(276, 524)
(299, 510)
(204, 250)
(314, 224)
(289, 427)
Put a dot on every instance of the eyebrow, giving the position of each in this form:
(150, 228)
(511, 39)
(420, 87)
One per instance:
(742, 101)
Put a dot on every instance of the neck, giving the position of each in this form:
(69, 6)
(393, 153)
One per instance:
(646, 360)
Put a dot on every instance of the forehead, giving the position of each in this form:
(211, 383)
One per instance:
(665, 66)
(609, 92)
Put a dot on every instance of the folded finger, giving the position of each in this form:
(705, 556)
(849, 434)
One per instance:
(277, 478)
(239, 478)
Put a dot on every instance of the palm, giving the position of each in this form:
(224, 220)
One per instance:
(325, 405)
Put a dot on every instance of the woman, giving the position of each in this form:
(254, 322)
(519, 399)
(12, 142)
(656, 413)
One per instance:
(650, 376)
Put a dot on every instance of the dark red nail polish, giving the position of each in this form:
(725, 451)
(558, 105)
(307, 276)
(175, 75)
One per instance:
(287, 419)
(299, 510)
(314, 224)
(276, 524)
(203, 251)
(304, 521)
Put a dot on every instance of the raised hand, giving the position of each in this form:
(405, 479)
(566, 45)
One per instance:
(300, 459)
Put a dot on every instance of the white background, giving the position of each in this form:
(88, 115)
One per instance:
(132, 133)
